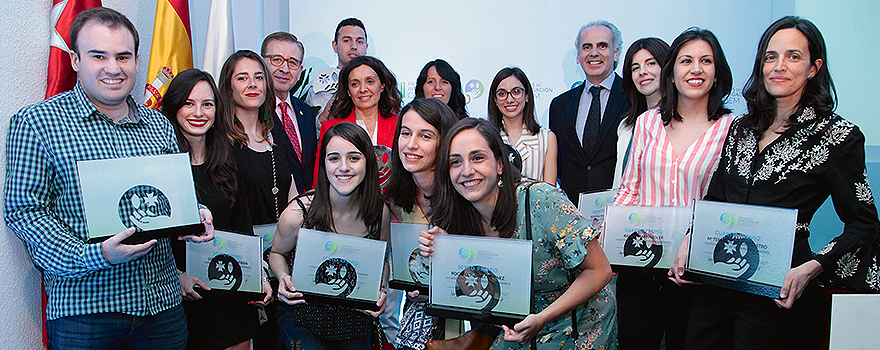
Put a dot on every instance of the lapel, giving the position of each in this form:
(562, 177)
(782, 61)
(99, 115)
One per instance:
(305, 120)
(571, 111)
(612, 116)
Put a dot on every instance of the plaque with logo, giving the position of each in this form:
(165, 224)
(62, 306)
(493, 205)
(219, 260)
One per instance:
(153, 194)
(230, 265)
(742, 247)
(409, 269)
(592, 206)
(644, 237)
(481, 278)
(337, 269)
(267, 234)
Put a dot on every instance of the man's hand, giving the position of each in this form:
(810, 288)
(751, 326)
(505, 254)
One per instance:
(208, 221)
(117, 253)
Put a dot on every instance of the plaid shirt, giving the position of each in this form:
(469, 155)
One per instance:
(45, 210)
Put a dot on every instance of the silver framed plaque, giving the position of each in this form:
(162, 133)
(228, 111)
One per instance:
(644, 237)
(338, 269)
(266, 232)
(231, 264)
(409, 269)
(481, 278)
(154, 194)
(592, 206)
(742, 247)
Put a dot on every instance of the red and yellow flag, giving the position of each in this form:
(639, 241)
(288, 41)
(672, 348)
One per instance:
(61, 76)
(171, 51)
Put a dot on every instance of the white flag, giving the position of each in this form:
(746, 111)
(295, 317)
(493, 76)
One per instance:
(219, 44)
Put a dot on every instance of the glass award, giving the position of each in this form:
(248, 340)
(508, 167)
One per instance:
(338, 269)
(409, 269)
(592, 206)
(644, 237)
(742, 247)
(153, 194)
(267, 233)
(231, 265)
(483, 279)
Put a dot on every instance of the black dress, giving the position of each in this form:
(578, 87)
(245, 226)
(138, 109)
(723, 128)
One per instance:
(217, 322)
(256, 171)
(818, 157)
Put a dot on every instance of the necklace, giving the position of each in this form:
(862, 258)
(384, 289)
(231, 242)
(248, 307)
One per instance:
(274, 179)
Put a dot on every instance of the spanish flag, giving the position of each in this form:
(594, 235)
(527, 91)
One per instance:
(171, 51)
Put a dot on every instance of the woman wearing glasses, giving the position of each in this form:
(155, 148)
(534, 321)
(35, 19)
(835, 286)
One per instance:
(512, 110)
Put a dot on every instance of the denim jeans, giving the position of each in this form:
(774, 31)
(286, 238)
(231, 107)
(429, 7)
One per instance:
(165, 330)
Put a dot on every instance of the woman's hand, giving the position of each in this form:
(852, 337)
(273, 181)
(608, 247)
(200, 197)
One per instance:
(426, 240)
(267, 289)
(187, 287)
(681, 257)
(416, 296)
(380, 303)
(525, 330)
(796, 281)
(287, 292)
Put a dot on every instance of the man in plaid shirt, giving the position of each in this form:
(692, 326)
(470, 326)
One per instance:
(104, 295)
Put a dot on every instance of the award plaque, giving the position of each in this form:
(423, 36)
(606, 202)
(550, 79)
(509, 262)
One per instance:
(231, 265)
(267, 233)
(644, 237)
(742, 247)
(592, 206)
(337, 269)
(409, 269)
(481, 278)
(153, 194)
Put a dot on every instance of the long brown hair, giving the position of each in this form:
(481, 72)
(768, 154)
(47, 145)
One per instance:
(389, 101)
(267, 109)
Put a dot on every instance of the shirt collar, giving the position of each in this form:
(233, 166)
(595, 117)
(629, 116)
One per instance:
(607, 83)
(286, 100)
(85, 108)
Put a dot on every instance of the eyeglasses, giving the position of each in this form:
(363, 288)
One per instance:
(278, 60)
(517, 93)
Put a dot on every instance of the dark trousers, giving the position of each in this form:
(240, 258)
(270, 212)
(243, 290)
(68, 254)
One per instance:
(650, 307)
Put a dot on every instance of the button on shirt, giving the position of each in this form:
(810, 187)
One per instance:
(45, 210)
(587, 99)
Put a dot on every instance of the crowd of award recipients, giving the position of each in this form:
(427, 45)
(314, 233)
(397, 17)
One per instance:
(660, 133)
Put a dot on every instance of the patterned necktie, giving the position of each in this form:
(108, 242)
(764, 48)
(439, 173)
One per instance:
(291, 130)
(591, 127)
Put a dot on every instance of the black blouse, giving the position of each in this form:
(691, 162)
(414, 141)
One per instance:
(256, 171)
(818, 157)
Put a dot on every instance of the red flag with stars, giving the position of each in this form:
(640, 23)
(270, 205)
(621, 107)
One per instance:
(61, 76)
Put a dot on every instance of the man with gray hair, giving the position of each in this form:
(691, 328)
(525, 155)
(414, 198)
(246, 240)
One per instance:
(585, 118)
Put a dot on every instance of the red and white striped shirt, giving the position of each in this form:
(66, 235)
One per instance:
(654, 176)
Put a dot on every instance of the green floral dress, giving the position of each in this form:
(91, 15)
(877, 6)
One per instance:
(560, 236)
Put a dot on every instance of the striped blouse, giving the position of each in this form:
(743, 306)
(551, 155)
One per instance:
(654, 176)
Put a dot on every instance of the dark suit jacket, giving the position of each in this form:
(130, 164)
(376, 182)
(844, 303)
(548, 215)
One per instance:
(586, 170)
(305, 119)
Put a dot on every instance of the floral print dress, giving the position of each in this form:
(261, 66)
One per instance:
(560, 235)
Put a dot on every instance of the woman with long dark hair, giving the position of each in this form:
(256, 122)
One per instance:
(642, 63)
(512, 110)
(790, 150)
(421, 127)
(345, 201)
(478, 192)
(439, 80)
(199, 120)
(675, 149)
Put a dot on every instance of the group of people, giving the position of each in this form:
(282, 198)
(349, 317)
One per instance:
(350, 160)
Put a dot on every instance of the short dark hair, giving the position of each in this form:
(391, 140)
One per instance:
(368, 197)
(495, 115)
(401, 187)
(349, 22)
(281, 36)
(457, 101)
(720, 88)
(106, 16)
(389, 101)
(658, 49)
(819, 92)
(454, 213)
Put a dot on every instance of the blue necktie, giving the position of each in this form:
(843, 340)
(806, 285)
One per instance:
(594, 117)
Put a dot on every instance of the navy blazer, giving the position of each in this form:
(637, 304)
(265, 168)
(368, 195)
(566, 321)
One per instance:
(586, 170)
(303, 172)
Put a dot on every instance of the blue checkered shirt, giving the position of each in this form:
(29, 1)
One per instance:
(45, 210)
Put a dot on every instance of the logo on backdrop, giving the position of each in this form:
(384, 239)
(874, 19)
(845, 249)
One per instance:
(225, 269)
(338, 273)
(740, 251)
(140, 203)
(478, 282)
(473, 90)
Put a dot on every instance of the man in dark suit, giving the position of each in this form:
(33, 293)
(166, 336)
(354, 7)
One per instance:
(585, 118)
(294, 129)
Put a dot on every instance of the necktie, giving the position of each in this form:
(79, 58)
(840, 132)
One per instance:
(594, 117)
(291, 130)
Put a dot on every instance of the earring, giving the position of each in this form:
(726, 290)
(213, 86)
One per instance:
(500, 183)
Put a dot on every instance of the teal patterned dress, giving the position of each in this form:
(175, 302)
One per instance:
(560, 236)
